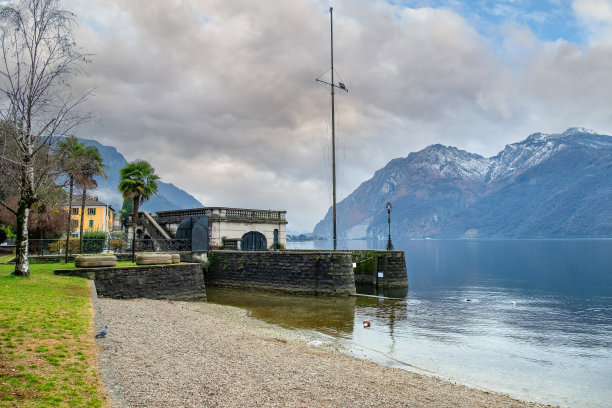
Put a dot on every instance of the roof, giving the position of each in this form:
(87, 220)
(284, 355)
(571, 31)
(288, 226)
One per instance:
(88, 203)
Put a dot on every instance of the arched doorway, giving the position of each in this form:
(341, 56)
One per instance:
(253, 241)
(192, 234)
(199, 235)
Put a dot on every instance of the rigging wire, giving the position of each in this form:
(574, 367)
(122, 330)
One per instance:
(329, 69)
(339, 76)
(340, 142)
(326, 160)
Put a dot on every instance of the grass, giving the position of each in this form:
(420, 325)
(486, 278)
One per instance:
(48, 357)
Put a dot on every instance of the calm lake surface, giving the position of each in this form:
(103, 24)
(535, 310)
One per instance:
(538, 323)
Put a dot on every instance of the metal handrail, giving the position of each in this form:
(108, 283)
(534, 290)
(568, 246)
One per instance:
(159, 230)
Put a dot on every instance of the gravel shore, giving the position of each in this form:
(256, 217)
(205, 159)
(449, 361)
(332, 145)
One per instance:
(179, 354)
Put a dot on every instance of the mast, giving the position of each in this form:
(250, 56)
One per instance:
(331, 24)
(333, 107)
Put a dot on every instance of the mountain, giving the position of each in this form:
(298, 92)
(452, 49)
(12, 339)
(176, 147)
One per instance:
(546, 186)
(169, 197)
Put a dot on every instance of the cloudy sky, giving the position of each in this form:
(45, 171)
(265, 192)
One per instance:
(220, 95)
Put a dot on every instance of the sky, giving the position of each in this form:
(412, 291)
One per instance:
(220, 96)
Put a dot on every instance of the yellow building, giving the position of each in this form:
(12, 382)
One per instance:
(98, 216)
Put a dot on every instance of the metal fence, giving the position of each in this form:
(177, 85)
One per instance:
(109, 245)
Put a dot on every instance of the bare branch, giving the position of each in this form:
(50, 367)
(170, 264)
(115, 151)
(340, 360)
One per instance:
(5, 205)
(39, 58)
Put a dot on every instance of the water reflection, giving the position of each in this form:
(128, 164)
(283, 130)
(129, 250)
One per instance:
(398, 293)
(337, 316)
(330, 315)
(538, 324)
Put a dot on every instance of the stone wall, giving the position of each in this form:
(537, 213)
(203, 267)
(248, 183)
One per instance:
(180, 281)
(381, 268)
(300, 272)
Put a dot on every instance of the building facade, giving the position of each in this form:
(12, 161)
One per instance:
(98, 216)
(220, 227)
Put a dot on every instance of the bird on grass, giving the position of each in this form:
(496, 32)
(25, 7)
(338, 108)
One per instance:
(102, 332)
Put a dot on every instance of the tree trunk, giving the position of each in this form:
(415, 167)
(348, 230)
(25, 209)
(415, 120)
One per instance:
(22, 264)
(134, 224)
(69, 226)
(27, 197)
(82, 219)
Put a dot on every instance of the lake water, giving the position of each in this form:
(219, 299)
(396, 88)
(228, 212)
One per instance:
(532, 318)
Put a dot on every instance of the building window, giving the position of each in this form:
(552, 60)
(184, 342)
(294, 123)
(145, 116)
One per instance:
(230, 244)
(91, 211)
(75, 211)
(75, 223)
(90, 223)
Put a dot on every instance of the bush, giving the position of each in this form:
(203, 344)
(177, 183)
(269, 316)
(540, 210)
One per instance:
(94, 242)
(116, 245)
(366, 262)
(280, 246)
(55, 247)
(8, 231)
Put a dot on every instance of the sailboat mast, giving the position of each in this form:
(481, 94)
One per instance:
(331, 20)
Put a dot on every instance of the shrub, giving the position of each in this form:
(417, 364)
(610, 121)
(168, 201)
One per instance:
(55, 247)
(279, 246)
(94, 242)
(116, 245)
(366, 262)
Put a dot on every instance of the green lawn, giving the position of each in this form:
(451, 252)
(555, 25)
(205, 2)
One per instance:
(48, 357)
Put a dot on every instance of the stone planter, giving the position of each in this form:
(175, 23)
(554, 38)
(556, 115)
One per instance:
(153, 259)
(176, 258)
(95, 261)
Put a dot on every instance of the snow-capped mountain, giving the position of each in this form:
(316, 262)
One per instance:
(548, 185)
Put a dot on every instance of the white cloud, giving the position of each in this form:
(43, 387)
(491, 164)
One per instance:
(596, 16)
(220, 96)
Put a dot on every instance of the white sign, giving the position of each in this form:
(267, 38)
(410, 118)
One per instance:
(380, 274)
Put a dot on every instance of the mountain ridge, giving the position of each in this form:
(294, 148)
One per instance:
(446, 192)
(169, 197)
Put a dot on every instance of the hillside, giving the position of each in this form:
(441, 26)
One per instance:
(548, 185)
(169, 197)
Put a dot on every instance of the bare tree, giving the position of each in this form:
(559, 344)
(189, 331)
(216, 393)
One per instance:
(39, 57)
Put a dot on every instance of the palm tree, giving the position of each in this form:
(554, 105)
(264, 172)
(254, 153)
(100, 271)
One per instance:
(138, 183)
(92, 165)
(69, 155)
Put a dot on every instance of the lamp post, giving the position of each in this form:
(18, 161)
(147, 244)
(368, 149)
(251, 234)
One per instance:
(389, 244)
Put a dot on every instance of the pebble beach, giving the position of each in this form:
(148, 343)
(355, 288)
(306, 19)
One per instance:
(161, 353)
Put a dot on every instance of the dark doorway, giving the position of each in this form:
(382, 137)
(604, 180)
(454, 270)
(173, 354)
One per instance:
(253, 241)
(199, 235)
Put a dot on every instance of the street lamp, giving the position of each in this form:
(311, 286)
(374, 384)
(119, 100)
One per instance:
(389, 244)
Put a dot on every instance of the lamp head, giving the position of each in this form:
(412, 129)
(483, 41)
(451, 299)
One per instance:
(388, 206)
